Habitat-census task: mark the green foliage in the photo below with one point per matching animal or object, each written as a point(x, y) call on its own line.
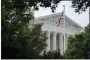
point(30, 3)
point(79, 45)
point(17, 39)
point(80, 5)
point(52, 55)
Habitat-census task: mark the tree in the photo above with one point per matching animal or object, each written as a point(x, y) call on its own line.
point(87, 41)
point(52, 55)
point(31, 3)
point(18, 40)
point(79, 45)
point(80, 5)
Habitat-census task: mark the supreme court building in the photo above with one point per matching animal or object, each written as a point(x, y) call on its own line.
point(56, 34)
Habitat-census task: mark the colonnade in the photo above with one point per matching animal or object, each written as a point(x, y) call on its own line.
point(56, 41)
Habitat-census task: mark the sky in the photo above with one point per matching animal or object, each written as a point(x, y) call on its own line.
point(81, 19)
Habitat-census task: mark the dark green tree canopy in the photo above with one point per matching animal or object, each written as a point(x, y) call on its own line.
point(18, 40)
point(80, 5)
point(79, 45)
point(52, 55)
point(31, 3)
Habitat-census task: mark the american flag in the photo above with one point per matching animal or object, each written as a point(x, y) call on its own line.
point(60, 18)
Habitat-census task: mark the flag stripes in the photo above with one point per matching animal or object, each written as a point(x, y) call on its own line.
point(60, 18)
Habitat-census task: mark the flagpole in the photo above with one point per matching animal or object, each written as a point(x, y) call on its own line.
point(64, 27)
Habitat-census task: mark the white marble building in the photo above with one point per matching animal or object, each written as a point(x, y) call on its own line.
point(56, 34)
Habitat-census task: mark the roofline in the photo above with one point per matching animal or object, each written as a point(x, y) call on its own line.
point(74, 22)
point(48, 15)
point(59, 14)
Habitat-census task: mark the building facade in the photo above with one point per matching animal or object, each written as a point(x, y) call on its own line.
point(56, 34)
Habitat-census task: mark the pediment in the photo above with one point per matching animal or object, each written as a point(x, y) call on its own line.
point(52, 19)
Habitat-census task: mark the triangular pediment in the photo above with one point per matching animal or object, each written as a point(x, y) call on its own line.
point(53, 18)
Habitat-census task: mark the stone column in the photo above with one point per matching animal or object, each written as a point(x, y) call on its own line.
point(48, 42)
point(66, 41)
point(54, 41)
point(58, 41)
point(61, 43)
